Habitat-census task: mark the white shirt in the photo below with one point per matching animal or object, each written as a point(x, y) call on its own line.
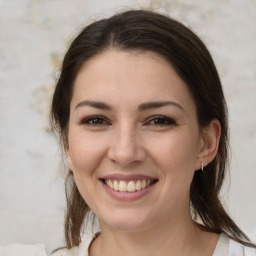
point(224, 247)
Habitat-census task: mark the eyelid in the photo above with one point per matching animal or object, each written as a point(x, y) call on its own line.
point(170, 121)
point(164, 121)
point(86, 120)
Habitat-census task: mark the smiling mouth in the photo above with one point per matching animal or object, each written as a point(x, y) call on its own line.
point(128, 186)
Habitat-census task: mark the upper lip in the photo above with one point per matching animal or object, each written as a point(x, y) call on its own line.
point(127, 177)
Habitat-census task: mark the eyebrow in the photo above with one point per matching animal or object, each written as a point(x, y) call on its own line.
point(142, 107)
point(94, 104)
point(158, 104)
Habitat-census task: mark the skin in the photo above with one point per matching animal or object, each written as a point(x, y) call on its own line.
point(128, 139)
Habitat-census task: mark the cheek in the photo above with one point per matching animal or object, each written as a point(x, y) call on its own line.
point(177, 152)
point(85, 151)
point(176, 157)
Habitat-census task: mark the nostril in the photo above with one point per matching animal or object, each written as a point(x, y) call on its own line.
point(125, 156)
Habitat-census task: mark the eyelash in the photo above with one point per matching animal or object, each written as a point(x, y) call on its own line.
point(94, 121)
point(158, 121)
point(161, 121)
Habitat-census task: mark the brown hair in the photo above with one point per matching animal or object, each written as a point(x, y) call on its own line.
point(149, 31)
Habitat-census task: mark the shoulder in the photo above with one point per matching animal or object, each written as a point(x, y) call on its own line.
point(80, 250)
point(67, 252)
point(237, 249)
point(23, 250)
point(228, 247)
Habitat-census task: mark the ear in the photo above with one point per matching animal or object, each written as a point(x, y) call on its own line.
point(69, 160)
point(209, 143)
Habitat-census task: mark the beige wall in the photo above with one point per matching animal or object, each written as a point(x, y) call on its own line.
point(34, 35)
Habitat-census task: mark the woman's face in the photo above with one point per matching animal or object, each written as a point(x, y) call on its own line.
point(133, 140)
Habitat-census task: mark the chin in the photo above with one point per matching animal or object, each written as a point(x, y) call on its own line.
point(127, 222)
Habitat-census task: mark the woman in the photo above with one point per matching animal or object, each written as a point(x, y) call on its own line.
point(140, 110)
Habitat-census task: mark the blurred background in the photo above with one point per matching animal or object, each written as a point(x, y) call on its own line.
point(34, 35)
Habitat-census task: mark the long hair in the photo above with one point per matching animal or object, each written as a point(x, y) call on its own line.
point(149, 31)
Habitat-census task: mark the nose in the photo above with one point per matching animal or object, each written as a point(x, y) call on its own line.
point(126, 147)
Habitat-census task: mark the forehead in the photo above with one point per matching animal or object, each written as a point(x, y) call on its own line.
point(129, 77)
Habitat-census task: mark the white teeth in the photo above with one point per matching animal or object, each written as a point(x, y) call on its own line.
point(138, 185)
point(122, 186)
point(110, 184)
point(130, 186)
point(116, 185)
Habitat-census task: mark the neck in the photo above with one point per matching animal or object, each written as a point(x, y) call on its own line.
point(173, 238)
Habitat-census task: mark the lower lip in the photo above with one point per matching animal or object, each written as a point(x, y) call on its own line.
point(128, 196)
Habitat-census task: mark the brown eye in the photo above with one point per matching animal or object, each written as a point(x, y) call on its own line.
point(94, 120)
point(161, 121)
